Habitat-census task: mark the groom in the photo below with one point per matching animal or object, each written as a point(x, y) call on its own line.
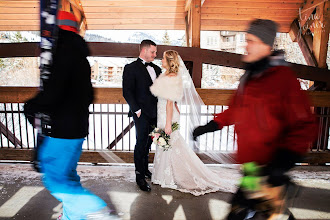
point(138, 76)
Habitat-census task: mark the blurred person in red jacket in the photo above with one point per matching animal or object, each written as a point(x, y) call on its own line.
point(272, 118)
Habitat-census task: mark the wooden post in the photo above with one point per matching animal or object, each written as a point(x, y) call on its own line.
point(196, 23)
point(320, 49)
point(321, 34)
point(303, 42)
point(187, 28)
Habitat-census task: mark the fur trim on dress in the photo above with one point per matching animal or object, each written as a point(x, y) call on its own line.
point(168, 87)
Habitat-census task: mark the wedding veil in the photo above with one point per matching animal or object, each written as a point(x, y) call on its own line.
point(191, 110)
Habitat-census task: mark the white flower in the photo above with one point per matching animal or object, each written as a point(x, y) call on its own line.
point(154, 140)
point(161, 141)
point(156, 129)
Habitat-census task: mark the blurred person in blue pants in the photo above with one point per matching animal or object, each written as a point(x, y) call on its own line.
point(65, 98)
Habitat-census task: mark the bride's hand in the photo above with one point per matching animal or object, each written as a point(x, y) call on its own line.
point(168, 129)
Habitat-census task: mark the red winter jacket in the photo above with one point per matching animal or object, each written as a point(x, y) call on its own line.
point(272, 112)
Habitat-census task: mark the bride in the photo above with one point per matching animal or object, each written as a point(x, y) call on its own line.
point(179, 167)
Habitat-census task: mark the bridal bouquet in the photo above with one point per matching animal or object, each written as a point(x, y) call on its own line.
point(160, 138)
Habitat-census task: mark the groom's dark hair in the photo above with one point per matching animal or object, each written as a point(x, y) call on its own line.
point(147, 43)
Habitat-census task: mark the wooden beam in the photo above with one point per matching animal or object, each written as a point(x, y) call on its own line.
point(115, 96)
point(187, 29)
point(188, 54)
point(321, 34)
point(196, 23)
point(128, 156)
point(296, 35)
point(121, 135)
point(9, 135)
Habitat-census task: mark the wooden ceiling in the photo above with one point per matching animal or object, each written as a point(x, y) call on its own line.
point(157, 14)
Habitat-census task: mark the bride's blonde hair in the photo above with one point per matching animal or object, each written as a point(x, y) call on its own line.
point(172, 60)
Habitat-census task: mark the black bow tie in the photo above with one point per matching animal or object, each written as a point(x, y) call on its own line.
point(147, 64)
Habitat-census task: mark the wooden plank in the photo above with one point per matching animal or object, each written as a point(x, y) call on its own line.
point(85, 4)
point(137, 27)
point(19, 50)
point(20, 28)
point(91, 22)
point(128, 156)
point(18, 16)
point(104, 95)
point(231, 16)
point(136, 21)
point(258, 11)
point(254, 5)
point(134, 9)
point(19, 4)
point(19, 10)
point(170, 15)
point(321, 34)
point(149, 3)
point(18, 22)
point(221, 22)
point(256, 1)
point(224, 27)
point(16, 94)
point(101, 10)
point(114, 96)
point(102, 27)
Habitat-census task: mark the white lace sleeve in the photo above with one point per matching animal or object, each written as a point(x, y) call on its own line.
point(166, 87)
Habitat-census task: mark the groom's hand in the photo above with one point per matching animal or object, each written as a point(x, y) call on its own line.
point(209, 127)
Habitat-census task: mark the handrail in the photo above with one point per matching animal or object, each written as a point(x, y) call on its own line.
point(114, 96)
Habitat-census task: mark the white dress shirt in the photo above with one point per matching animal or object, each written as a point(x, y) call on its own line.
point(152, 74)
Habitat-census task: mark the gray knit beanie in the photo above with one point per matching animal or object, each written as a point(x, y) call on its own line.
point(264, 29)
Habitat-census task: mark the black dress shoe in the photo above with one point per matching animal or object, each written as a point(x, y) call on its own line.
point(148, 174)
point(144, 186)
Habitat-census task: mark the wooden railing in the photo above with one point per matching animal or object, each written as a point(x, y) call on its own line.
point(112, 138)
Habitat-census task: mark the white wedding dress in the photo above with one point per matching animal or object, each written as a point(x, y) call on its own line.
point(180, 168)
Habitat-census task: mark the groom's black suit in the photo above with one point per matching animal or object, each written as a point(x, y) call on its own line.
point(136, 91)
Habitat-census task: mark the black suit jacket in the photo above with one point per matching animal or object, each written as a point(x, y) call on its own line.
point(136, 88)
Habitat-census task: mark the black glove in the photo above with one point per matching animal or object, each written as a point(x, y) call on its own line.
point(209, 127)
point(282, 161)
